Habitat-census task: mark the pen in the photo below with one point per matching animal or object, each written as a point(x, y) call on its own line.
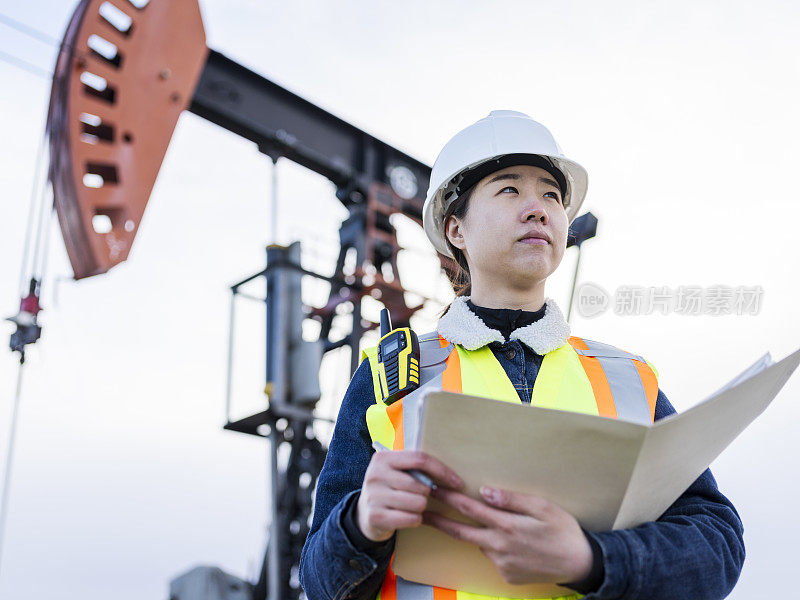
point(418, 475)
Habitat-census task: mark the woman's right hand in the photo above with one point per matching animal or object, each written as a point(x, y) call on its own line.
point(391, 499)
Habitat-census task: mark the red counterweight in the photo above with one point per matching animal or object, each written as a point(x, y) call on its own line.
point(123, 76)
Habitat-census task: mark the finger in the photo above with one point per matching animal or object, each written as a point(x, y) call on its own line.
point(526, 504)
point(474, 509)
point(412, 459)
point(386, 475)
point(404, 501)
point(402, 480)
point(391, 519)
point(479, 536)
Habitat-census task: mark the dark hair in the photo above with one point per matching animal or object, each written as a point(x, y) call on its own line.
point(459, 275)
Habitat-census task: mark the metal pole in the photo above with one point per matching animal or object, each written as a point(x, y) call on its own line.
point(574, 280)
point(274, 585)
point(277, 372)
point(229, 382)
point(9, 461)
point(273, 236)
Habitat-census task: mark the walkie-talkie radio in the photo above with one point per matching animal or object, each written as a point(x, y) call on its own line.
point(398, 360)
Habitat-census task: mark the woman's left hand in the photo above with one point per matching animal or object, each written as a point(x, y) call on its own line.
point(529, 539)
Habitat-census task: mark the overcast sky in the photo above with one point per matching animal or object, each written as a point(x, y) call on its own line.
point(684, 114)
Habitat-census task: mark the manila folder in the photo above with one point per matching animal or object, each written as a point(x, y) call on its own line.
point(607, 473)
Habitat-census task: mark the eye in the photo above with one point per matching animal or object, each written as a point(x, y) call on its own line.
point(554, 195)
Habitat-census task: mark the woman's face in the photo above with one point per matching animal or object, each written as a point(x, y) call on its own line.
point(505, 207)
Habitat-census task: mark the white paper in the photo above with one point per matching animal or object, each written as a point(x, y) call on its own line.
point(758, 366)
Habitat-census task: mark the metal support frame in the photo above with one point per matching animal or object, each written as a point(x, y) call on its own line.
point(284, 422)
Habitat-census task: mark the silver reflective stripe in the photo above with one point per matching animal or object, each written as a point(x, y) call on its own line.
point(431, 355)
point(430, 336)
point(409, 590)
point(599, 349)
point(428, 373)
point(609, 354)
point(411, 405)
point(627, 389)
point(432, 365)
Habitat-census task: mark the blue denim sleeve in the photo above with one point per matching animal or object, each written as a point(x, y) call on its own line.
point(694, 550)
point(331, 566)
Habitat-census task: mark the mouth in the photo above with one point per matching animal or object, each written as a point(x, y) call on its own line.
point(535, 238)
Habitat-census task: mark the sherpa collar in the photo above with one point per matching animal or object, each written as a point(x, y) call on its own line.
point(462, 326)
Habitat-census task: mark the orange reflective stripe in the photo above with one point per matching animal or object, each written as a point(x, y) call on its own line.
point(389, 586)
point(451, 378)
point(443, 594)
point(600, 387)
point(577, 342)
point(650, 384)
point(598, 380)
point(395, 412)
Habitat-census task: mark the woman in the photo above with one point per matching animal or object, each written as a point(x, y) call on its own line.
point(501, 199)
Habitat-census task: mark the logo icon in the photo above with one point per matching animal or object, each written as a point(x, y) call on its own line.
point(592, 300)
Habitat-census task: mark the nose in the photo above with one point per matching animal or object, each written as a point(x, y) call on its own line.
point(533, 209)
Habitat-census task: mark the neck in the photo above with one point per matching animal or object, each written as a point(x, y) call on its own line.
point(525, 299)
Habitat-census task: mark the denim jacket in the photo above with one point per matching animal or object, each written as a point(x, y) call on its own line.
point(694, 551)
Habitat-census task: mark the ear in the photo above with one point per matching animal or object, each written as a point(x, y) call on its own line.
point(453, 229)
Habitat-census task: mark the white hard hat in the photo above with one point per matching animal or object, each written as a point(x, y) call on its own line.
point(503, 139)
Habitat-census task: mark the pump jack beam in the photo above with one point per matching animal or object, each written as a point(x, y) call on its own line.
point(283, 124)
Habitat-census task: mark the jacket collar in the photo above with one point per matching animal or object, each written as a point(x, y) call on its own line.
point(461, 326)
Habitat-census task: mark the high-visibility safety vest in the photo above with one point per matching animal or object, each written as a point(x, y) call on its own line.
point(581, 376)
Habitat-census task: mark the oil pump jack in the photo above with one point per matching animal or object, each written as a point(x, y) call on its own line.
point(126, 69)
